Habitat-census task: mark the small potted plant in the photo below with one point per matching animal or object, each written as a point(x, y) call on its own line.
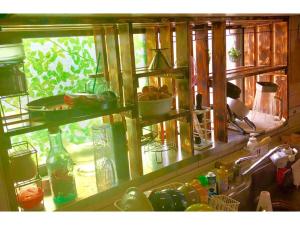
point(234, 54)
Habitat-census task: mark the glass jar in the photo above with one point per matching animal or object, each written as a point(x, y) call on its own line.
point(60, 170)
point(104, 166)
point(96, 84)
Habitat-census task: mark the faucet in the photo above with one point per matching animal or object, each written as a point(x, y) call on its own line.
point(252, 168)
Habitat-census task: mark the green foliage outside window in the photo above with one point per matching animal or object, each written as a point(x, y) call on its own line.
point(61, 65)
point(56, 66)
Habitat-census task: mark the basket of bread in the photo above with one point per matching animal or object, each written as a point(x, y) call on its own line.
point(153, 101)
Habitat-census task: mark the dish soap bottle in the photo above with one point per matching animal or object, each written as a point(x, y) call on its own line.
point(253, 146)
point(204, 189)
point(60, 170)
point(222, 180)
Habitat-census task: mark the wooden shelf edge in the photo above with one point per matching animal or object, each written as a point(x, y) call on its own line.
point(172, 72)
point(45, 125)
point(253, 71)
point(248, 71)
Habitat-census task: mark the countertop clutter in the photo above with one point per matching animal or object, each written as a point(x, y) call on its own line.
point(205, 193)
point(223, 190)
point(171, 197)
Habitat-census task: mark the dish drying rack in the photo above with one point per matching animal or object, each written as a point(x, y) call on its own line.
point(13, 112)
point(202, 128)
point(150, 143)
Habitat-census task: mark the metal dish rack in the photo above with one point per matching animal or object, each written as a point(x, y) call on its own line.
point(202, 128)
point(12, 111)
point(14, 97)
point(22, 149)
point(152, 144)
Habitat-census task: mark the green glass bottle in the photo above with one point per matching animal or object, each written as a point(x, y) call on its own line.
point(60, 170)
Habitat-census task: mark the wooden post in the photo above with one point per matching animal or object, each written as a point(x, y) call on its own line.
point(100, 47)
point(202, 64)
point(151, 43)
point(151, 37)
point(183, 52)
point(294, 65)
point(130, 97)
point(272, 43)
point(264, 50)
point(256, 47)
point(166, 42)
point(240, 45)
point(113, 64)
point(249, 60)
point(280, 54)
point(249, 46)
point(219, 80)
point(113, 60)
point(99, 40)
point(281, 40)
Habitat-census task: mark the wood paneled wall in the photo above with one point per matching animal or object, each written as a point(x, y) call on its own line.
point(294, 65)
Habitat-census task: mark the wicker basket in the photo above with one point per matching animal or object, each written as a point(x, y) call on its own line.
point(223, 203)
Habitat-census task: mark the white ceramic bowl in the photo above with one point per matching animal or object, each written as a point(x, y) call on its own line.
point(155, 107)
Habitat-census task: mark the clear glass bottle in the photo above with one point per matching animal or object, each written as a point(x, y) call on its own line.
point(60, 170)
point(104, 166)
point(96, 84)
point(105, 174)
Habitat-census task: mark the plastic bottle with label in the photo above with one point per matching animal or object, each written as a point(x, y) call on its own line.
point(212, 183)
point(204, 189)
point(222, 180)
point(253, 146)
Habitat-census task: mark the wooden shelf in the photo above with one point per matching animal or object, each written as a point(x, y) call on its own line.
point(176, 72)
point(248, 71)
point(35, 126)
point(173, 114)
point(252, 71)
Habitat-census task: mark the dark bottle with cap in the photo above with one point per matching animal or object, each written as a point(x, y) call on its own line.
point(199, 116)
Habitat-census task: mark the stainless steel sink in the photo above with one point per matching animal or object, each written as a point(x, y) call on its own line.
point(247, 191)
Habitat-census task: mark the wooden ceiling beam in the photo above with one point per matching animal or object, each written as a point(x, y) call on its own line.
point(44, 19)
